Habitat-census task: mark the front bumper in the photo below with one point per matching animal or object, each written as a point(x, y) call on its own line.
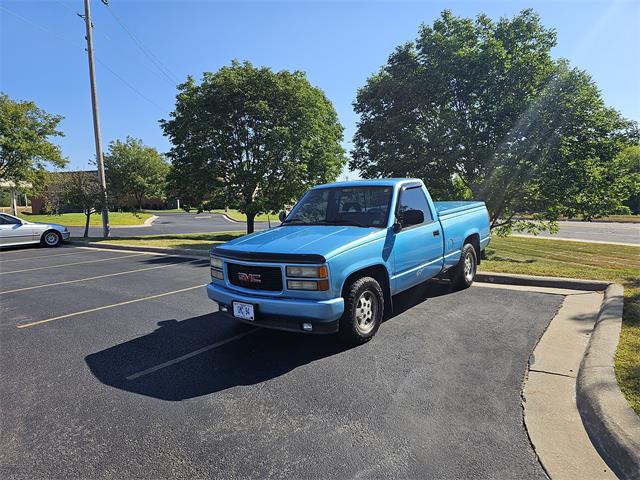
point(283, 313)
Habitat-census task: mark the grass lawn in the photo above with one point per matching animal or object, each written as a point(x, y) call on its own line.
point(621, 264)
point(196, 241)
point(78, 219)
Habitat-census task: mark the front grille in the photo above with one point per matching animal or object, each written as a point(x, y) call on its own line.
point(255, 277)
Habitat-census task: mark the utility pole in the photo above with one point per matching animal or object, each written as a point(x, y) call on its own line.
point(96, 121)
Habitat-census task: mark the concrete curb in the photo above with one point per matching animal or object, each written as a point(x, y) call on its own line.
point(612, 425)
point(137, 248)
point(230, 219)
point(149, 221)
point(534, 281)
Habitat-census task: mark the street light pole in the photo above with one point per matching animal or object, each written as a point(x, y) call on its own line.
point(96, 121)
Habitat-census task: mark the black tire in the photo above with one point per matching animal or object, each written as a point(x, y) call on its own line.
point(363, 311)
point(51, 238)
point(463, 273)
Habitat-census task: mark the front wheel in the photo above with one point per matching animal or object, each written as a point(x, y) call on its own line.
point(464, 272)
point(51, 238)
point(363, 311)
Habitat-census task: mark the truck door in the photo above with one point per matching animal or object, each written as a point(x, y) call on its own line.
point(417, 247)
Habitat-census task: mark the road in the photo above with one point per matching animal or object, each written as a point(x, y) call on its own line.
point(172, 223)
point(599, 231)
point(114, 364)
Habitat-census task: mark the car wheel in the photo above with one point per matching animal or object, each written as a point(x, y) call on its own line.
point(51, 238)
point(464, 272)
point(363, 311)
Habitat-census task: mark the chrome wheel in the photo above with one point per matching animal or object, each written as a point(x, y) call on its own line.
point(366, 312)
point(52, 239)
point(469, 267)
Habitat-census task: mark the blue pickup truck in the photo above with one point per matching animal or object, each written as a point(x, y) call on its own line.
point(342, 253)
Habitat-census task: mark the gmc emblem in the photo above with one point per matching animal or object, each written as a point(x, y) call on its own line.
point(249, 277)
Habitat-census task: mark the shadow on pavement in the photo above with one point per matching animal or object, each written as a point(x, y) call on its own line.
point(251, 359)
point(248, 360)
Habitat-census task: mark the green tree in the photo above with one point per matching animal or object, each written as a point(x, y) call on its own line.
point(629, 163)
point(255, 137)
point(25, 148)
point(480, 107)
point(135, 170)
point(82, 190)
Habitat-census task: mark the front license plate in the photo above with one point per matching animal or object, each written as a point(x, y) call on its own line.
point(243, 310)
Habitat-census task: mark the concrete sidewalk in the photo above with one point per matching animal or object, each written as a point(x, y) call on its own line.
point(550, 411)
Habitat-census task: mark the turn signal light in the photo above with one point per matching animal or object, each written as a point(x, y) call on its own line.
point(311, 285)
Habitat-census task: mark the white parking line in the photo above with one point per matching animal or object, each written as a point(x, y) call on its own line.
point(2, 260)
point(89, 278)
point(128, 302)
point(189, 355)
point(69, 264)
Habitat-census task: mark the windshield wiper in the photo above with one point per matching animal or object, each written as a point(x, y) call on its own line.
point(350, 223)
point(297, 222)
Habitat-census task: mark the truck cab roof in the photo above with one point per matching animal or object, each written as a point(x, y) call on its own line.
point(382, 182)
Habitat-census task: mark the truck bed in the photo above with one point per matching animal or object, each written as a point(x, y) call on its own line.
point(449, 208)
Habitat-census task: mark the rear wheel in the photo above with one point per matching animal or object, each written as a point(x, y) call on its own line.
point(363, 310)
point(464, 272)
point(51, 238)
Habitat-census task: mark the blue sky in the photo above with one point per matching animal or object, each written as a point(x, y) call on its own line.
point(338, 44)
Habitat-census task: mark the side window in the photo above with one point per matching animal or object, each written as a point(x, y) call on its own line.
point(7, 220)
point(414, 199)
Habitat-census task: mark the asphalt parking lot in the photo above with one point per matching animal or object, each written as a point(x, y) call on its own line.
point(115, 364)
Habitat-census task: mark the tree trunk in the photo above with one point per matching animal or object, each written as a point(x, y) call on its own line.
point(86, 225)
point(250, 222)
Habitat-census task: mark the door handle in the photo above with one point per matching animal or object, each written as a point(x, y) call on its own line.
point(436, 233)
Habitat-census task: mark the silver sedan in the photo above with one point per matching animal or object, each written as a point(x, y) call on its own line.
point(16, 231)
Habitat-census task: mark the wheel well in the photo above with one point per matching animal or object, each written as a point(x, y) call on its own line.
point(49, 231)
point(380, 273)
point(474, 240)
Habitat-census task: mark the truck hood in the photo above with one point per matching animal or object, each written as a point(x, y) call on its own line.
point(325, 240)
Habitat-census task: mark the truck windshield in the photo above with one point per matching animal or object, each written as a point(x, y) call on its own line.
point(357, 206)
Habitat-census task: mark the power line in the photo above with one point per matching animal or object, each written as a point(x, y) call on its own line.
point(162, 68)
point(134, 89)
point(113, 72)
point(75, 13)
point(33, 24)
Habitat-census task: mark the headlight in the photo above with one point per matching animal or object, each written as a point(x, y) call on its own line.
point(307, 272)
point(314, 285)
point(216, 262)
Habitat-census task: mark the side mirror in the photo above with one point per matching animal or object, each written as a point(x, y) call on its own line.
point(411, 217)
point(282, 215)
point(397, 226)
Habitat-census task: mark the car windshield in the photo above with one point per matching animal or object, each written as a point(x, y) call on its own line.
point(357, 206)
